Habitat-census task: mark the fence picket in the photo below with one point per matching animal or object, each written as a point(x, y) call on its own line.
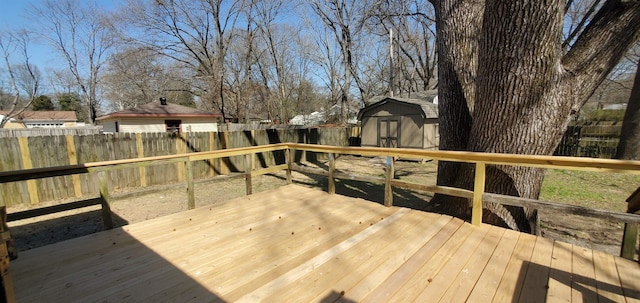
point(63, 150)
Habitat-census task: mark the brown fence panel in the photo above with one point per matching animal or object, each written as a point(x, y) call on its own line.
point(45, 151)
point(14, 193)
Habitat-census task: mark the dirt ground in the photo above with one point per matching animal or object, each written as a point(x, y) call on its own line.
point(136, 206)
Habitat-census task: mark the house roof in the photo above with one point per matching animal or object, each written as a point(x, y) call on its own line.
point(429, 110)
point(156, 109)
point(44, 116)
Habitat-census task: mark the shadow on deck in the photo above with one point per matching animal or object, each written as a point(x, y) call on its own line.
point(301, 244)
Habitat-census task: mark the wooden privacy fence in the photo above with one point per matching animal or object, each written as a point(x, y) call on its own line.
point(288, 151)
point(63, 131)
point(595, 141)
point(37, 152)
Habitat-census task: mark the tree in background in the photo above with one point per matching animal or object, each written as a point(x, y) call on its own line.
point(629, 144)
point(75, 29)
point(138, 75)
point(344, 19)
point(72, 102)
point(196, 34)
point(42, 102)
point(23, 79)
point(507, 85)
point(411, 28)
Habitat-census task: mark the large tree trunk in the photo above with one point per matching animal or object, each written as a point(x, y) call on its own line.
point(526, 91)
point(629, 145)
point(457, 28)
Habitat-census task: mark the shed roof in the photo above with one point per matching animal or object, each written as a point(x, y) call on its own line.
point(156, 109)
point(429, 110)
point(45, 115)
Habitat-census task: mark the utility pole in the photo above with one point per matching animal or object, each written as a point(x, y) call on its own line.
point(391, 88)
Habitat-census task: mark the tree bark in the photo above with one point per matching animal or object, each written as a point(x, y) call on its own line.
point(526, 90)
point(629, 144)
point(457, 28)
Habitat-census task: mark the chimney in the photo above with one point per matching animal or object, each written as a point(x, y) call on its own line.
point(163, 101)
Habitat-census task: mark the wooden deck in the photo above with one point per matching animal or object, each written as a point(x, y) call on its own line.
point(296, 244)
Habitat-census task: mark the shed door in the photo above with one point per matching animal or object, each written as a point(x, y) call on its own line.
point(388, 132)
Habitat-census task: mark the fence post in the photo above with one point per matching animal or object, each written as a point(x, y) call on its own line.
point(141, 170)
point(331, 188)
point(388, 190)
point(181, 148)
point(212, 147)
point(224, 169)
point(478, 191)
point(253, 143)
point(107, 220)
point(287, 159)
point(248, 164)
point(191, 195)
point(73, 159)
point(32, 187)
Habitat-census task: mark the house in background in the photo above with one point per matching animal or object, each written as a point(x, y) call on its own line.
point(159, 116)
point(43, 119)
point(400, 122)
point(321, 117)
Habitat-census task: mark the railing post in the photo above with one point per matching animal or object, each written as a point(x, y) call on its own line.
point(331, 188)
point(629, 241)
point(630, 236)
point(107, 220)
point(6, 252)
point(191, 195)
point(248, 164)
point(287, 159)
point(478, 191)
point(388, 190)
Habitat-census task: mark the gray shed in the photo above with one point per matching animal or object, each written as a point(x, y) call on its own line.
point(400, 122)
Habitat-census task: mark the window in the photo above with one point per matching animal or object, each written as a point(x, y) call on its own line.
point(173, 126)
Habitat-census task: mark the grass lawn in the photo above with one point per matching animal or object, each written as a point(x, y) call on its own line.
point(589, 189)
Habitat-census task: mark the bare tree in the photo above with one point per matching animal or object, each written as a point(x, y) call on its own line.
point(25, 77)
point(413, 41)
point(280, 55)
point(137, 75)
point(28, 79)
point(326, 57)
point(196, 34)
point(345, 19)
point(75, 29)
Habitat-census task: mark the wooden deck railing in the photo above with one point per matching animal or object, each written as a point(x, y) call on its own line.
point(480, 160)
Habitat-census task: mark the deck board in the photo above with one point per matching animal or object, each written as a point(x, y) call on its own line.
point(511, 282)
point(456, 267)
point(297, 244)
point(487, 284)
point(607, 280)
point(560, 273)
point(583, 287)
